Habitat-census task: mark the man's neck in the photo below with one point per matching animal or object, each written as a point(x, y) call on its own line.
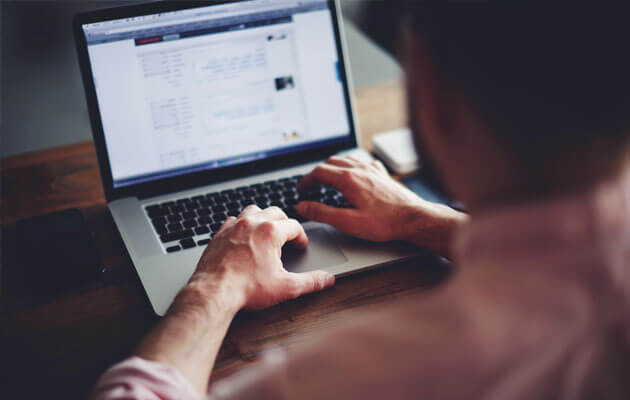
point(574, 172)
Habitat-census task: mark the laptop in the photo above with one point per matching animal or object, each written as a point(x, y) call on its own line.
point(199, 109)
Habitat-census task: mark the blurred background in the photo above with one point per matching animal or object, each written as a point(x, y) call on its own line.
point(42, 97)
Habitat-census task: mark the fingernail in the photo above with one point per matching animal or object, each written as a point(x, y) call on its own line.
point(330, 279)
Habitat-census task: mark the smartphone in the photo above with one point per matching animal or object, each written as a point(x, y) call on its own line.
point(57, 252)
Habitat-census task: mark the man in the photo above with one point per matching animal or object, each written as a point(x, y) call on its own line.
point(524, 113)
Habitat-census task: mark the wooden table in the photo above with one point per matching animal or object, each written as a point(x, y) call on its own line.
point(57, 347)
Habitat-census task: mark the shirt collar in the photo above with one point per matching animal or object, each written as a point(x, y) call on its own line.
point(564, 226)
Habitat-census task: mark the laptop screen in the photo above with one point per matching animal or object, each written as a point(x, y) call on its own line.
point(204, 88)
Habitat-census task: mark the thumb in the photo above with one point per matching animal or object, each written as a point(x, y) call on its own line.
point(323, 213)
point(346, 219)
point(309, 282)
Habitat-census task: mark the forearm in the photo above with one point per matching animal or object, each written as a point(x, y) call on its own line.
point(190, 335)
point(433, 227)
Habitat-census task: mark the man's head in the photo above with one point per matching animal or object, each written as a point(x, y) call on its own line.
point(512, 98)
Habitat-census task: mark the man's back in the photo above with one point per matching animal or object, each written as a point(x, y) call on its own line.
point(539, 307)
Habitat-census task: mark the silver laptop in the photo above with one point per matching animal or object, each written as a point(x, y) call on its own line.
point(199, 110)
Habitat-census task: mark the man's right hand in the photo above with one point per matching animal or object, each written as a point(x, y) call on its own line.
point(383, 209)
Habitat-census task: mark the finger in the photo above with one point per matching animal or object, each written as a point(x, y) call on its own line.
point(229, 221)
point(309, 282)
point(250, 210)
point(341, 162)
point(324, 174)
point(290, 230)
point(358, 162)
point(379, 165)
point(344, 219)
point(272, 214)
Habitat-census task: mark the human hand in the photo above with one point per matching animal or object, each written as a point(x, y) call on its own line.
point(245, 256)
point(383, 209)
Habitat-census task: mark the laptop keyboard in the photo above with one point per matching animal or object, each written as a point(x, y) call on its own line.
point(190, 222)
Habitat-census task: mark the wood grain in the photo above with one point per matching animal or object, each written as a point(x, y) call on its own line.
point(57, 346)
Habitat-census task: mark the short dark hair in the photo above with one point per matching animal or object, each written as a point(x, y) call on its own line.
point(543, 75)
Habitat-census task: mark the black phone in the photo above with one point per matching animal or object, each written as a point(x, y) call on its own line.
point(57, 251)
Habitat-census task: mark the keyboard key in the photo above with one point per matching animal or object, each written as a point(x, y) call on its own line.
point(203, 242)
point(197, 198)
point(211, 200)
point(190, 207)
point(205, 220)
point(219, 208)
point(263, 205)
point(247, 202)
point(202, 230)
point(215, 227)
point(173, 249)
point(189, 215)
point(219, 217)
point(190, 223)
point(168, 204)
point(159, 220)
point(158, 212)
point(195, 205)
point(204, 211)
point(233, 206)
point(153, 207)
point(175, 227)
point(187, 243)
point(205, 203)
point(177, 209)
point(234, 196)
point(175, 218)
point(161, 230)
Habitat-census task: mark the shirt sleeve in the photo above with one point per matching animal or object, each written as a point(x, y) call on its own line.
point(138, 379)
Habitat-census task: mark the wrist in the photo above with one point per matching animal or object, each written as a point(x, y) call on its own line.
point(209, 294)
point(432, 226)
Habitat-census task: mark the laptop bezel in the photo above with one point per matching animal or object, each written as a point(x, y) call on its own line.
point(211, 176)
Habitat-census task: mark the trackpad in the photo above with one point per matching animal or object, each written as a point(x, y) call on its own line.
point(322, 252)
